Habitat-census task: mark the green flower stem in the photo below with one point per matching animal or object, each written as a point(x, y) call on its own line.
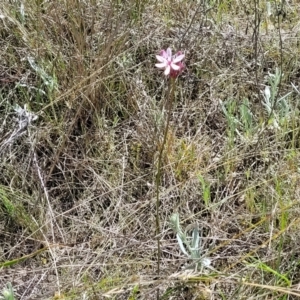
point(169, 105)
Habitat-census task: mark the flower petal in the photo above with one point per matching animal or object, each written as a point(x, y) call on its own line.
point(160, 58)
point(167, 70)
point(161, 65)
point(178, 58)
point(169, 52)
point(164, 54)
point(175, 67)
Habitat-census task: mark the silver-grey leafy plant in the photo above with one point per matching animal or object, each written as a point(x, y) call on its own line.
point(190, 245)
point(8, 293)
point(277, 108)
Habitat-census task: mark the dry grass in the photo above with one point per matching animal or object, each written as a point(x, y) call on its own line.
point(77, 185)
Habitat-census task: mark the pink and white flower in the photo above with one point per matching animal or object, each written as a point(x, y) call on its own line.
point(172, 65)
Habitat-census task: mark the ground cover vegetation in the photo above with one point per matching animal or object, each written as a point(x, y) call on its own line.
point(109, 192)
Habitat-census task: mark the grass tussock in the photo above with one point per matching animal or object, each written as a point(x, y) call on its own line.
point(82, 120)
